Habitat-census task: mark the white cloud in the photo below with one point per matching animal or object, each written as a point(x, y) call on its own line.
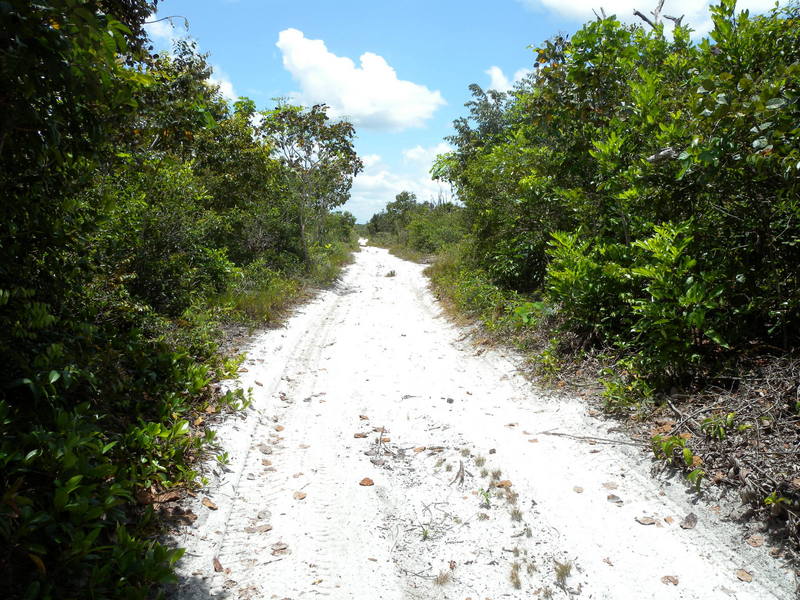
point(370, 94)
point(501, 83)
point(165, 32)
point(424, 157)
point(379, 184)
point(695, 11)
point(220, 78)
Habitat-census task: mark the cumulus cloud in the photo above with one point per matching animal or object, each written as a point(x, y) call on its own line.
point(424, 157)
point(501, 83)
point(695, 12)
point(379, 184)
point(220, 78)
point(370, 94)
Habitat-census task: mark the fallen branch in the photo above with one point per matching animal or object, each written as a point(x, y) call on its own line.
point(586, 438)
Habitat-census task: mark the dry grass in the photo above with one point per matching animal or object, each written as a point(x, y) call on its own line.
point(514, 576)
point(443, 578)
point(563, 571)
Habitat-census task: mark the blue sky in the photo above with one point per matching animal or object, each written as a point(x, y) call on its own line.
point(398, 70)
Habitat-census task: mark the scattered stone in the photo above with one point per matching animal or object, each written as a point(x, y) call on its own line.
point(689, 521)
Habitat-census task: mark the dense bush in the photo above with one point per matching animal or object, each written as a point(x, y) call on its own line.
point(138, 208)
point(646, 188)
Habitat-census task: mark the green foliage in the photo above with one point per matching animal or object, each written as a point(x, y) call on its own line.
point(422, 227)
point(134, 198)
point(647, 189)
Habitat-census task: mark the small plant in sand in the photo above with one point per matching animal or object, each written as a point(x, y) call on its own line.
point(391, 273)
point(448, 467)
point(486, 497)
point(484, 473)
point(443, 578)
point(483, 517)
point(514, 576)
point(480, 461)
point(465, 452)
point(516, 514)
point(511, 497)
point(563, 571)
point(426, 534)
point(496, 474)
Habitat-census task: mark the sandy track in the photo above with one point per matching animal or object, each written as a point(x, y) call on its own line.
point(293, 521)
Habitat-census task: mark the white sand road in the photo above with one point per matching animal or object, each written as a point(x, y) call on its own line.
point(375, 352)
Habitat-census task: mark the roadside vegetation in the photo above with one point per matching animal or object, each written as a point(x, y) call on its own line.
point(140, 211)
point(631, 212)
point(415, 230)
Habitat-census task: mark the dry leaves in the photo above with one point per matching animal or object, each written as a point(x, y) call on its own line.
point(610, 485)
point(533, 441)
point(419, 449)
point(614, 499)
point(217, 565)
point(503, 484)
point(646, 520)
point(299, 495)
point(359, 436)
point(744, 576)
point(366, 482)
point(386, 440)
point(363, 417)
point(258, 383)
point(209, 504)
point(756, 540)
point(258, 529)
point(577, 489)
point(278, 427)
point(669, 579)
point(280, 548)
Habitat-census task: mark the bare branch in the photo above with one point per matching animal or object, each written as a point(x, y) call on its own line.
point(657, 11)
point(644, 18)
point(676, 20)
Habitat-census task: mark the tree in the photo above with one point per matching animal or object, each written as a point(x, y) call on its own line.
point(319, 157)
